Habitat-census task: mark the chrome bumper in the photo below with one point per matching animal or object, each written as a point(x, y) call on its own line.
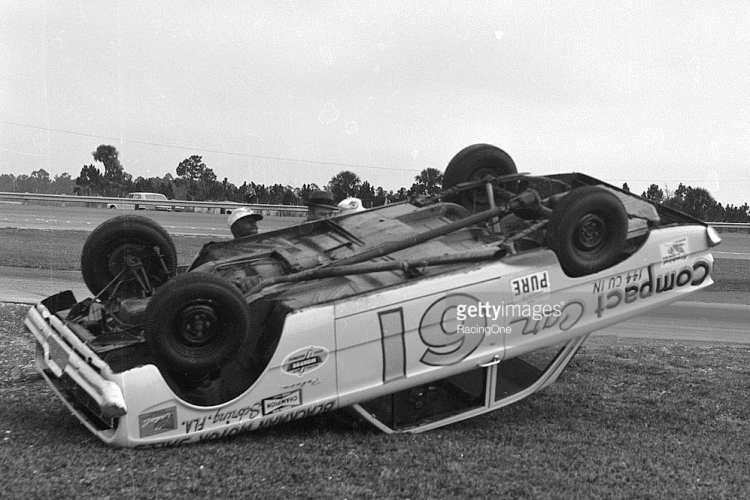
point(61, 352)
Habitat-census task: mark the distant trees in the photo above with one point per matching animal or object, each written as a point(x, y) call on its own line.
point(654, 193)
point(345, 184)
point(37, 182)
point(89, 182)
point(429, 182)
point(115, 181)
point(697, 202)
point(62, 184)
point(197, 178)
point(196, 181)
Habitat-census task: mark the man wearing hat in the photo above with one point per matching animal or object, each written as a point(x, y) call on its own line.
point(320, 205)
point(350, 205)
point(244, 222)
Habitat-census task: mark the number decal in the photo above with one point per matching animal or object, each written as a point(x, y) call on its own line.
point(394, 352)
point(439, 330)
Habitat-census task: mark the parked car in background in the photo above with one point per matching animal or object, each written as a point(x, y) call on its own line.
point(149, 197)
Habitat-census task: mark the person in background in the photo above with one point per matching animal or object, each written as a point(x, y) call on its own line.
point(320, 205)
point(244, 222)
point(350, 205)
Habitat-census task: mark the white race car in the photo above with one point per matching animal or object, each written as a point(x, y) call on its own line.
point(410, 315)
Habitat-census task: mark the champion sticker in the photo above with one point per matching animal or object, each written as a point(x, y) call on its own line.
point(305, 360)
point(281, 402)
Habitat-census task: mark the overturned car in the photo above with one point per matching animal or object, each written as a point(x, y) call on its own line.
point(411, 315)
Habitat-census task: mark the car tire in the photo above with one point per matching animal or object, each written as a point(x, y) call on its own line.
point(473, 163)
point(104, 251)
point(587, 230)
point(197, 323)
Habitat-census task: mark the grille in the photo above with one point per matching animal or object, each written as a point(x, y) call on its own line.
point(84, 404)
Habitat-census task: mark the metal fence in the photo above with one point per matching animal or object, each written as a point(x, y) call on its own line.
point(730, 227)
point(223, 207)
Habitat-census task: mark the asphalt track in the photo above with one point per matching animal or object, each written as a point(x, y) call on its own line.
point(694, 321)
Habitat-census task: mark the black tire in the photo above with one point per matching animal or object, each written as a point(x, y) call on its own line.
point(473, 163)
point(102, 258)
point(197, 323)
point(587, 230)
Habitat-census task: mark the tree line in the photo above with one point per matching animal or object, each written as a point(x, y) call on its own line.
point(697, 202)
point(195, 181)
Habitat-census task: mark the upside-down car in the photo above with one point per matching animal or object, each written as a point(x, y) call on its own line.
point(411, 316)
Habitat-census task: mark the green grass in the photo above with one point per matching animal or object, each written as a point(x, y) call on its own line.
point(628, 419)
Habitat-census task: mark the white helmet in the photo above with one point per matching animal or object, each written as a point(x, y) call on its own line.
point(350, 205)
point(243, 212)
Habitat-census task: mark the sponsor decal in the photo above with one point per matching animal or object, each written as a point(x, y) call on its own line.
point(674, 251)
point(296, 415)
point(237, 428)
point(157, 422)
point(302, 383)
point(628, 278)
point(281, 402)
point(531, 285)
point(694, 275)
point(221, 416)
point(304, 360)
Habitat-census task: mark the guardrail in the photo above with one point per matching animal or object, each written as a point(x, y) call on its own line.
point(730, 227)
point(223, 207)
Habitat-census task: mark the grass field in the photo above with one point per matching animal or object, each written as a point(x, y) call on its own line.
point(628, 419)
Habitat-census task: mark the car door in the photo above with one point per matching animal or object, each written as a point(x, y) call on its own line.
point(407, 335)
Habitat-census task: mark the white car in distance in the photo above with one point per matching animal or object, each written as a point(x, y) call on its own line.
point(145, 196)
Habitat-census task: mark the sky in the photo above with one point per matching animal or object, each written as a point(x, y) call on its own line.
point(296, 91)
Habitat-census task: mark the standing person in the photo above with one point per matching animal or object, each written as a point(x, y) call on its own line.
point(244, 222)
point(320, 205)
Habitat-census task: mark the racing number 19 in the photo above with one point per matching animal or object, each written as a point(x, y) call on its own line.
point(439, 330)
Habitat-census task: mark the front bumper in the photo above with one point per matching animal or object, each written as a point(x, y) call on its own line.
point(73, 370)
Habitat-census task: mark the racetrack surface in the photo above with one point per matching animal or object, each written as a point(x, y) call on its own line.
point(701, 321)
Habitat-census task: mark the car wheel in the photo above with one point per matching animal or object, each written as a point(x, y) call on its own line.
point(134, 249)
point(473, 163)
point(197, 323)
point(587, 230)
